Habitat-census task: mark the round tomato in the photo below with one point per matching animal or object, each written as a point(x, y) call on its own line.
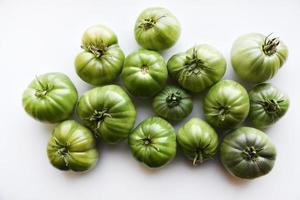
point(102, 60)
point(108, 112)
point(172, 103)
point(153, 142)
point(156, 29)
point(267, 105)
point(226, 104)
point(72, 147)
point(50, 97)
point(198, 140)
point(144, 73)
point(257, 58)
point(247, 153)
point(198, 68)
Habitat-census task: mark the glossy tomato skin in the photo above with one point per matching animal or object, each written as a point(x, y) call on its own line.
point(50, 97)
point(198, 68)
point(257, 58)
point(72, 147)
point(108, 112)
point(247, 153)
point(102, 59)
point(198, 140)
point(156, 29)
point(153, 142)
point(267, 105)
point(144, 73)
point(226, 104)
point(172, 103)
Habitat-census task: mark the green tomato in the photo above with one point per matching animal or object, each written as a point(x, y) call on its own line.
point(156, 29)
point(198, 140)
point(267, 105)
point(102, 59)
point(153, 142)
point(256, 58)
point(172, 103)
point(197, 68)
point(144, 73)
point(50, 97)
point(226, 104)
point(247, 153)
point(108, 112)
point(72, 147)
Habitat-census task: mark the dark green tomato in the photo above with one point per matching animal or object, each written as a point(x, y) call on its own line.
point(72, 147)
point(198, 68)
point(50, 97)
point(172, 103)
point(198, 140)
point(247, 153)
point(257, 58)
point(102, 59)
point(153, 142)
point(144, 73)
point(156, 29)
point(267, 105)
point(108, 112)
point(226, 104)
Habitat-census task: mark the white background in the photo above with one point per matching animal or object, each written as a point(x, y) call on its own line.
point(42, 36)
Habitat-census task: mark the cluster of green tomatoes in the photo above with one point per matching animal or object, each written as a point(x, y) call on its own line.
point(107, 113)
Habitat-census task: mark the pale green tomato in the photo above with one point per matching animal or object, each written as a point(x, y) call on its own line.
point(156, 29)
point(198, 140)
point(198, 68)
point(102, 60)
point(72, 147)
point(50, 97)
point(257, 58)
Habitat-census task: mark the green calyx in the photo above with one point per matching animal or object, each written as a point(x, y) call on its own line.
point(98, 50)
point(173, 99)
point(43, 89)
point(271, 106)
point(149, 22)
point(270, 45)
point(223, 111)
point(98, 117)
point(251, 153)
point(194, 65)
point(63, 151)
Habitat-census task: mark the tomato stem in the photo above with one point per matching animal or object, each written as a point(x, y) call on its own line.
point(198, 158)
point(43, 90)
point(149, 22)
point(98, 117)
point(271, 106)
point(98, 50)
point(195, 65)
point(173, 99)
point(270, 45)
point(250, 153)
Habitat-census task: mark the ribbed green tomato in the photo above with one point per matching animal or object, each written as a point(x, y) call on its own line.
point(72, 147)
point(197, 68)
point(247, 153)
point(144, 73)
point(226, 104)
point(198, 140)
point(153, 142)
point(102, 59)
point(50, 97)
point(156, 29)
point(257, 58)
point(172, 103)
point(108, 112)
point(267, 105)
